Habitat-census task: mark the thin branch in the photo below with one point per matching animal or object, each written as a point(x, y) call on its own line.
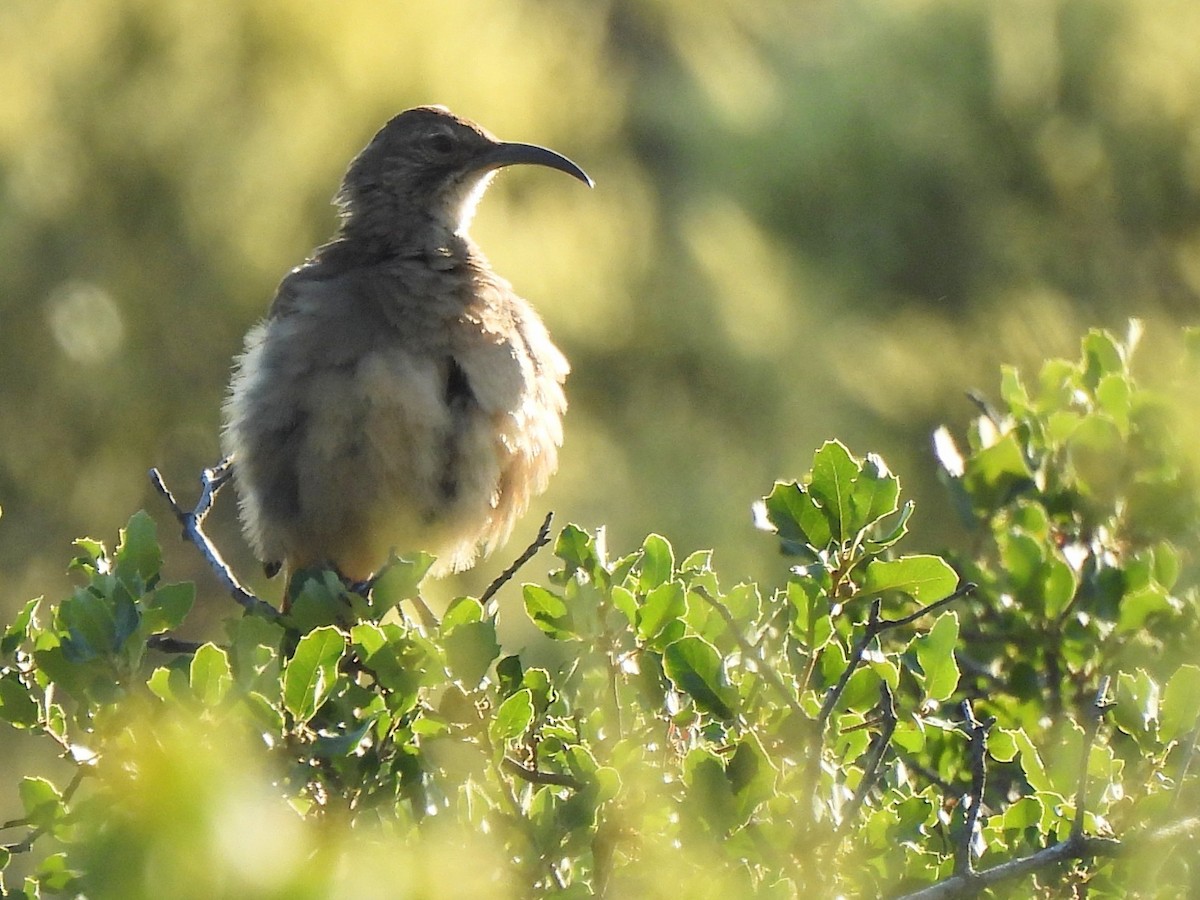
point(961, 592)
point(875, 626)
point(171, 645)
point(1074, 847)
point(1093, 714)
point(977, 734)
point(751, 652)
point(542, 539)
point(878, 746)
point(211, 481)
point(429, 621)
point(534, 776)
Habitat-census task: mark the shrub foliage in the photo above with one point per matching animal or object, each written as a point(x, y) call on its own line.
point(1019, 719)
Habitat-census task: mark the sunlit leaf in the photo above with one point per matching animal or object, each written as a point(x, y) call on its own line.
point(210, 674)
point(935, 653)
point(696, 668)
point(926, 579)
point(512, 718)
point(311, 674)
point(1180, 703)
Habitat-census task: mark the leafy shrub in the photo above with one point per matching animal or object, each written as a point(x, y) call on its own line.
point(1021, 718)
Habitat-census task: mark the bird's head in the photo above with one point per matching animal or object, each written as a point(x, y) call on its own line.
point(427, 163)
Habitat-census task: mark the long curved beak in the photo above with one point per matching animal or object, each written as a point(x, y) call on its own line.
point(510, 153)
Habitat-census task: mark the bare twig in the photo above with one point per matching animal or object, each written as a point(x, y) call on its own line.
point(542, 539)
point(958, 594)
point(880, 743)
point(977, 743)
point(171, 645)
point(1092, 716)
point(1074, 847)
point(534, 776)
point(875, 626)
point(211, 481)
point(429, 621)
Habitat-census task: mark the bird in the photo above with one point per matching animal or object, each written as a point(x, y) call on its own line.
point(398, 395)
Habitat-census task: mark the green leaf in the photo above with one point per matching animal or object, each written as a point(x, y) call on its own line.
point(254, 646)
point(1102, 356)
point(862, 691)
point(138, 555)
point(210, 675)
point(470, 650)
point(797, 518)
point(1031, 762)
point(995, 474)
point(658, 562)
point(1002, 745)
point(399, 580)
point(833, 474)
point(40, 800)
point(664, 604)
point(1180, 703)
point(160, 685)
point(751, 776)
point(624, 600)
point(897, 530)
point(696, 668)
point(1114, 395)
point(577, 549)
point(514, 716)
point(1139, 605)
point(311, 673)
point(17, 707)
point(935, 654)
point(537, 681)
point(317, 599)
point(1025, 813)
point(1137, 704)
point(926, 579)
point(549, 612)
point(1058, 586)
point(394, 660)
point(875, 493)
point(91, 624)
point(16, 632)
point(461, 611)
point(167, 606)
point(1021, 555)
point(332, 746)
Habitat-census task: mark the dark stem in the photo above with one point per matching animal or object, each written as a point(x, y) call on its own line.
point(211, 481)
point(1092, 716)
point(977, 745)
point(534, 776)
point(875, 626)
point(171, 645)
point(542, 539)
point(870, 774)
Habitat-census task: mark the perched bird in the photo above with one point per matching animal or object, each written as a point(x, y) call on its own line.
point(398, 395)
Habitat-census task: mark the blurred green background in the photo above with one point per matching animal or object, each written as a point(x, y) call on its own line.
point(812, 219)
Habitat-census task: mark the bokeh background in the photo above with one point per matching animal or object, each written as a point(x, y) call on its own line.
point(812, 219)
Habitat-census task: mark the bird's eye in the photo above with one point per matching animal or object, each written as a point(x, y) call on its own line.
point(441, 143)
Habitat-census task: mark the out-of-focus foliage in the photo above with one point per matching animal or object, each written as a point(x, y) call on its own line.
point(865, 725)
point(811, 218)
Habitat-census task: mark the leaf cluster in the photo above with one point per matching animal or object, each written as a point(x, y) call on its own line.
point(879, 722)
